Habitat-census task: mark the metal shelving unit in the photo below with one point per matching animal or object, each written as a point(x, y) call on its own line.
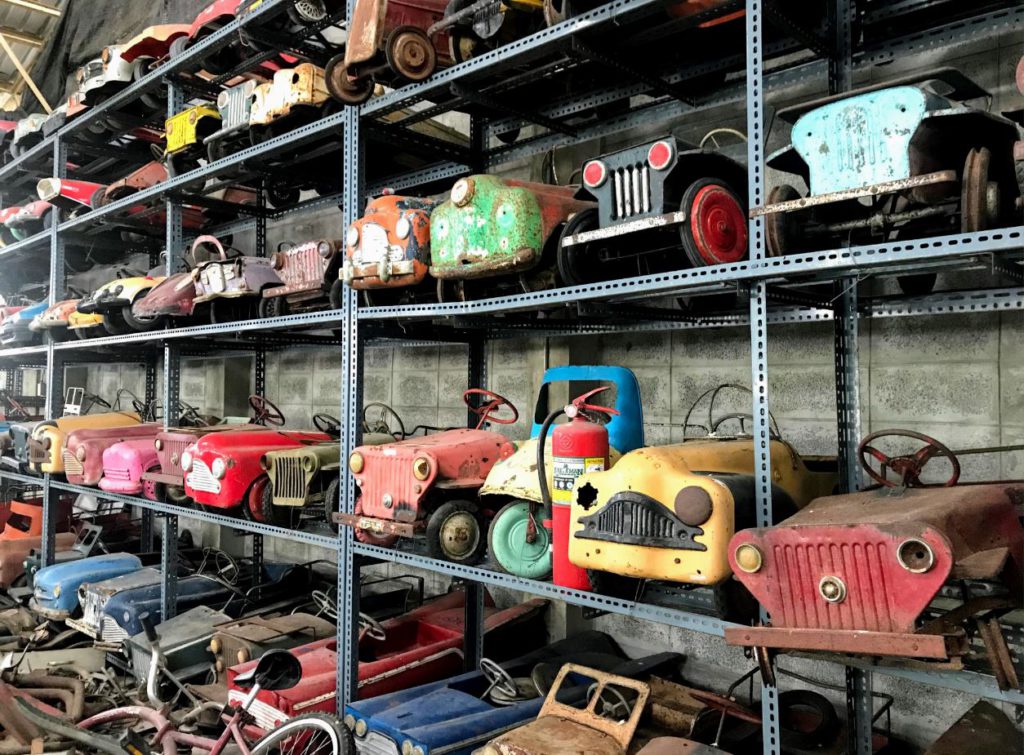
point(780, 51)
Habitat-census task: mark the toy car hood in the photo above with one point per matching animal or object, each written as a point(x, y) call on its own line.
point(321, 456)
point(57, 586)
point(29, 313)
point(9, 212)
point(28, 125)
point(173, 296)
point(31, 211)
point(55, 316)
point(122, 291)
point(153, 41)
point(255, 438)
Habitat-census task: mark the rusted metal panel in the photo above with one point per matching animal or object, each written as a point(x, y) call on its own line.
point(302, 268)
point(380, 257)
point(378, 526)
point(301, 86)
point(902, 644)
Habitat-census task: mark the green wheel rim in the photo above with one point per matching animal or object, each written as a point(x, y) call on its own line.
point(510, 549)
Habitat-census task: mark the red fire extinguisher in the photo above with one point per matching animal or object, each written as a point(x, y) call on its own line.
point(579, 446)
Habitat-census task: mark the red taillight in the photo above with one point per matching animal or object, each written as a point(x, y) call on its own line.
point(660, 155)
point(594, 173)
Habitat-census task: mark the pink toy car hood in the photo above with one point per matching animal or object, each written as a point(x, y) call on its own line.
point(83, 452)
point(123, 466)
point(173, 296)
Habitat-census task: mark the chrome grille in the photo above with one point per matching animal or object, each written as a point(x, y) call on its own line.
point(72, 466)
point(112, 633)
point(375, 743)
point(289, 478)
point(304, 265)
point(201, 478)
point(236, 113)
point(631, 186)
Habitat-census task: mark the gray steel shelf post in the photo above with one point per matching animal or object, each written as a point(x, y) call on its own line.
point(147, 534)
point(351, 403)
point(759, 324)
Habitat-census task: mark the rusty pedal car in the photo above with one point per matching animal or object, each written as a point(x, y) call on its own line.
point(388, 42)
point(853, 574)
point(904, 158)
point(233, 285)
point(292, 98)
point(306, 271)
point(652, 199)
point(493, 227)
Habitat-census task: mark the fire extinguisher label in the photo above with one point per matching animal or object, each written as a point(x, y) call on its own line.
point(566, 470)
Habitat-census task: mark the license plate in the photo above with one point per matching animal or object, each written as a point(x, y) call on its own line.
point(374, 525)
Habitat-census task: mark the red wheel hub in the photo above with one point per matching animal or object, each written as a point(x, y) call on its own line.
point(718, 225)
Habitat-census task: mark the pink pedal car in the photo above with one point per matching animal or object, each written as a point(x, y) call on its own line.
point(124, 464)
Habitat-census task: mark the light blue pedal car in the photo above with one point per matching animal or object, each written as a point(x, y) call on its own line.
point(55, 595)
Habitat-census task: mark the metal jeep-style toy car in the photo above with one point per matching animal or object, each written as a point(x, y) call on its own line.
point(668, 512)
point(186, 132)
point(306, 271)
point(235, 106)
point(650, 199)
point(388, 42)
point(912, 538)
point(55, 594)
point(222, 470)
point(512, 487)
point(492, 226)
point(292, 97)
point(424, 487)
point(233, 285)
point(904, 158)
point(388, 247)
point(84, 449)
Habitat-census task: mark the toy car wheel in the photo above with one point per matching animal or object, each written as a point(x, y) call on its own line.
point(216, 150)
point(776, 226)
point(331, 503)
point(47, 219)
point(176, 494)
point(615, 585)
point(113, 323)
point(456, 532)
point(578, 264)
point(178, 46)
point(337, 294)
point(252, 504)
point(508, 545)
point(344, 88)
point(410, 53)
point(807, 719)
point(715, 230)
point(288, 517)
point(275, 306)
point(979, 194)
point(365, 536)
point(83, 333)
point(152, 490)
point(462, 46)
point(140, 324)
point(6, 235)
point(282, 196)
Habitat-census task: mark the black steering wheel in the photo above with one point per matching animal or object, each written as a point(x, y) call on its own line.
point(189, 414)
point(498, 679)
point(713, 423)
point(327, 424)
point(94, 399)
point(265, 412)
point(382, 425)
point(491, 403)
point(370, 627)
point(908, 467)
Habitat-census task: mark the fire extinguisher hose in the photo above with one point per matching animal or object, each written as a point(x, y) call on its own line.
point(545, 492)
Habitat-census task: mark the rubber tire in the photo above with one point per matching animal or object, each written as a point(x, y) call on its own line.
point(252, 504)
point(337, 294)
point(436, 521)
point(614, 585)
point(823, 734)
point(286, 517)
point(271, 743)
point(508, 527)
point(114, 323)
point(173, 496)
point(274, 306)
point(570, 263)
point(134, 323)
point(331, 503)
point(693, 255)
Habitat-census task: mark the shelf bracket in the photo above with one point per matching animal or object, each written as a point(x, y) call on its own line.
point(490, 103)
point(581, 50)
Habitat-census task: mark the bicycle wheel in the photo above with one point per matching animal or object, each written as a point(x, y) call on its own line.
point(308, 734)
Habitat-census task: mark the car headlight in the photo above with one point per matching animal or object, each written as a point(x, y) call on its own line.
point(490, 750)
point(118, 289)
point(361, 728)
point(749, 558)
point(403, 227)
point(462, 192)
point(308, 463)
point(56, 591)
point(324, 249)
point(352, 236)
point(421, 468)
point(80, 453)
point(218, 468)
point(349, 721)
point(355, 462)
point(186, 461)
point(159, 444)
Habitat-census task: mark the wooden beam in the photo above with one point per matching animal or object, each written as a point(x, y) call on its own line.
point(34, 6)
point(24, 73)
point(19, 36)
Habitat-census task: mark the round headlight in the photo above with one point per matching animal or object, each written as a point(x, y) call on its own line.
point(118, 289)
point(222, 100)
point(308, 463)
point(355, 462)
point(916, 556)
point(490, 750)
point(462, 192)
point(352, 236)
point(403, 227)
point(215, 645)
point(350, 721)
point(105, 55)
point(80, 453)
point(361, 727)
point(421, 468)
point(243, 655)
point(749, 558)
point(56, 591)
point(186, 460)
point(407, 747)
point(159, 444)
point(324, 249)
point(693, 505)
point(417, 751)
point(218, 468)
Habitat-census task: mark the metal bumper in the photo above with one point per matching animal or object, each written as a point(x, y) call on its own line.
point(378, 526)
point(855, 642)
point(176, 480)
point(621, 229)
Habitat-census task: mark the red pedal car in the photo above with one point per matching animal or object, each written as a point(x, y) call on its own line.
point(422, 646)
point(223, 471)
point(425, 487)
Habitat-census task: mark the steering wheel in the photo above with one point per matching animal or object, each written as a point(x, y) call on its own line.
point(93, 398)
point(613, 708)
point(492, 402)
point(370, 627)
point(325, 606)
point(773, 428)
point(382, 425)
point(499, 679)
point(909, 466)
point(265, 412)
point(190, 414)
point(325, 423)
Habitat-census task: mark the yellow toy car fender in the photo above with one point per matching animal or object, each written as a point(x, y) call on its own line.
point(668, 512)
point(291, 87)
point(46, 446)
point(189, 127)
point(83, 325)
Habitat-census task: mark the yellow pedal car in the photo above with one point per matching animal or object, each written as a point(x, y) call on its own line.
point(668, 512)
point(85, 326)
point(113, 300)
point(186, 133)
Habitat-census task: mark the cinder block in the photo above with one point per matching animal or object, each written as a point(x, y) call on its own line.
point(688, 385)
point(329, 360)
point(517, 386)
point(451, 417)
point(711, 347)
point(1011, 400)
point(636, 349)
point(415, 389)
point(801, 344)
point(295, 362)
point(810, 437)
point(1012, 462)
point(802, 392)
point(417, 415)
point(919, 340)
point(419, 358)
point(657, 429)
point(377, 387)
point(295, 388)
point(655, 390)
point(451, 386)
point(954, 393)
point(299, 416)
point(377, 358)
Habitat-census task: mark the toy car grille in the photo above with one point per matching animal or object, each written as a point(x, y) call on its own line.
point(237, 111)
point(113, 473)
point(170, 456)
point(200, 478)
point(631, 187)
point(304, 265)
point(112, 633)
point(374, 246)
point(376, 743)
point(72, 466)
point(289, 478)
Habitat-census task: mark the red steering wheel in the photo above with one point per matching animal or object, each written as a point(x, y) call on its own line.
point(490, 404)
point(909, 466)
point(265, 412)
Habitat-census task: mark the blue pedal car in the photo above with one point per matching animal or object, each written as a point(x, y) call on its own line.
point(457, 715)
point(55, 595)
